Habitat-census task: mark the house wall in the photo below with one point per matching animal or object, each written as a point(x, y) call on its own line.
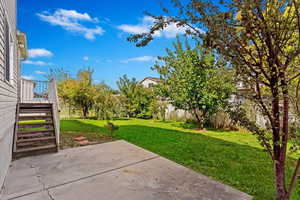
point(147, 83)
point(8, 90)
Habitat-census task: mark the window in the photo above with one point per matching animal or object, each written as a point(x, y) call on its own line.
point(8, 53)
point(11, 59)
point(150, 85)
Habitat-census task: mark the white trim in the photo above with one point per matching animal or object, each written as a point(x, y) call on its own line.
point(11, 60)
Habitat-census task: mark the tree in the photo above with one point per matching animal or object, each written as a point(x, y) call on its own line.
point(135, 99)
point(106, 104)
point(158, 108)
point(192, 81)
point(84, 95)
point(66, 91)
point(76, 93)
point(127, 89)
point(142, 102)
point(101, 106)
point(261, 40)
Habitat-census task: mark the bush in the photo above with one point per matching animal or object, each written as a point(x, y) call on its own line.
point(111, 127)
point(221, 120)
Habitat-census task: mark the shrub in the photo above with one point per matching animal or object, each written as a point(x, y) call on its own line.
point(111, 128)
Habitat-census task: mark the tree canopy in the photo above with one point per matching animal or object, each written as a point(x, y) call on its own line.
point(135, 99)
point(192, 80)
point(261, 39)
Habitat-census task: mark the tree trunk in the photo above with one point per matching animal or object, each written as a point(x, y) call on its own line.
point(69, 111)
point(85, 112)
point(200, 125)
point(200, 120)
point(97, 111)
point(279, 162)
point(285, 121)
point(279, 178)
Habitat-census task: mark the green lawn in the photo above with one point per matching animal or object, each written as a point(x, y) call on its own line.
point(234, 158)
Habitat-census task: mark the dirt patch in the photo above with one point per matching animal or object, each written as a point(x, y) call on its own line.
point(73, 139)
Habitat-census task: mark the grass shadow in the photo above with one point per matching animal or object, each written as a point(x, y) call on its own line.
point(185, 125)
point(246, 168)
point(220, 130)
point(77, 125)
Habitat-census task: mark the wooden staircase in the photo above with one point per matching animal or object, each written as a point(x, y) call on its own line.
point(35, 129)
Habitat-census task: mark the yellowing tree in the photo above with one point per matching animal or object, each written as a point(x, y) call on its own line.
point(261, 39)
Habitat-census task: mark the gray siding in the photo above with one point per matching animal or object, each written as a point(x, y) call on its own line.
point(8, 90)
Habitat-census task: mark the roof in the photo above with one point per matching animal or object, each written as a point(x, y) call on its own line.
point(151, 78)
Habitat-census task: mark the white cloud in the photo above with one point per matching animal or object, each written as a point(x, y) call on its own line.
point(172, 30)
point(40, 63)
point(169, 31)
point(70, 20)
point(28, 77)
point(133, 29)
point(39, 72)
point(73, 14)
point(139, 59)
point(33, 53)
point(86, 58)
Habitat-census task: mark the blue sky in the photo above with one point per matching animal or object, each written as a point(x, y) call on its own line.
point(77, 33)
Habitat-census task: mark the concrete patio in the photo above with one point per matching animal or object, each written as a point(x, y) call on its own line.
point(110, 171)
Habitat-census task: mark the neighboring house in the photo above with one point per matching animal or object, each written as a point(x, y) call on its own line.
point(239, 98)
point(18, 100)
point(148, 82)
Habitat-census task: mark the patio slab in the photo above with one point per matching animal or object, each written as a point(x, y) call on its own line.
point(110, 171)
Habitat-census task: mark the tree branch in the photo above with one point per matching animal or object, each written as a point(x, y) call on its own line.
point(296, 76)
point(293, 180)
point(298, 18)
point(264, 107)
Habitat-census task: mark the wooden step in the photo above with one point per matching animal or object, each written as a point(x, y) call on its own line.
point(35, 139)
point(34, 117)
point(35, 131)
point(36, 110)
point(36, 135)
point(35, 144)
point(40, 142)
point(23, 150)
point(34, 125)
point(31, 105)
